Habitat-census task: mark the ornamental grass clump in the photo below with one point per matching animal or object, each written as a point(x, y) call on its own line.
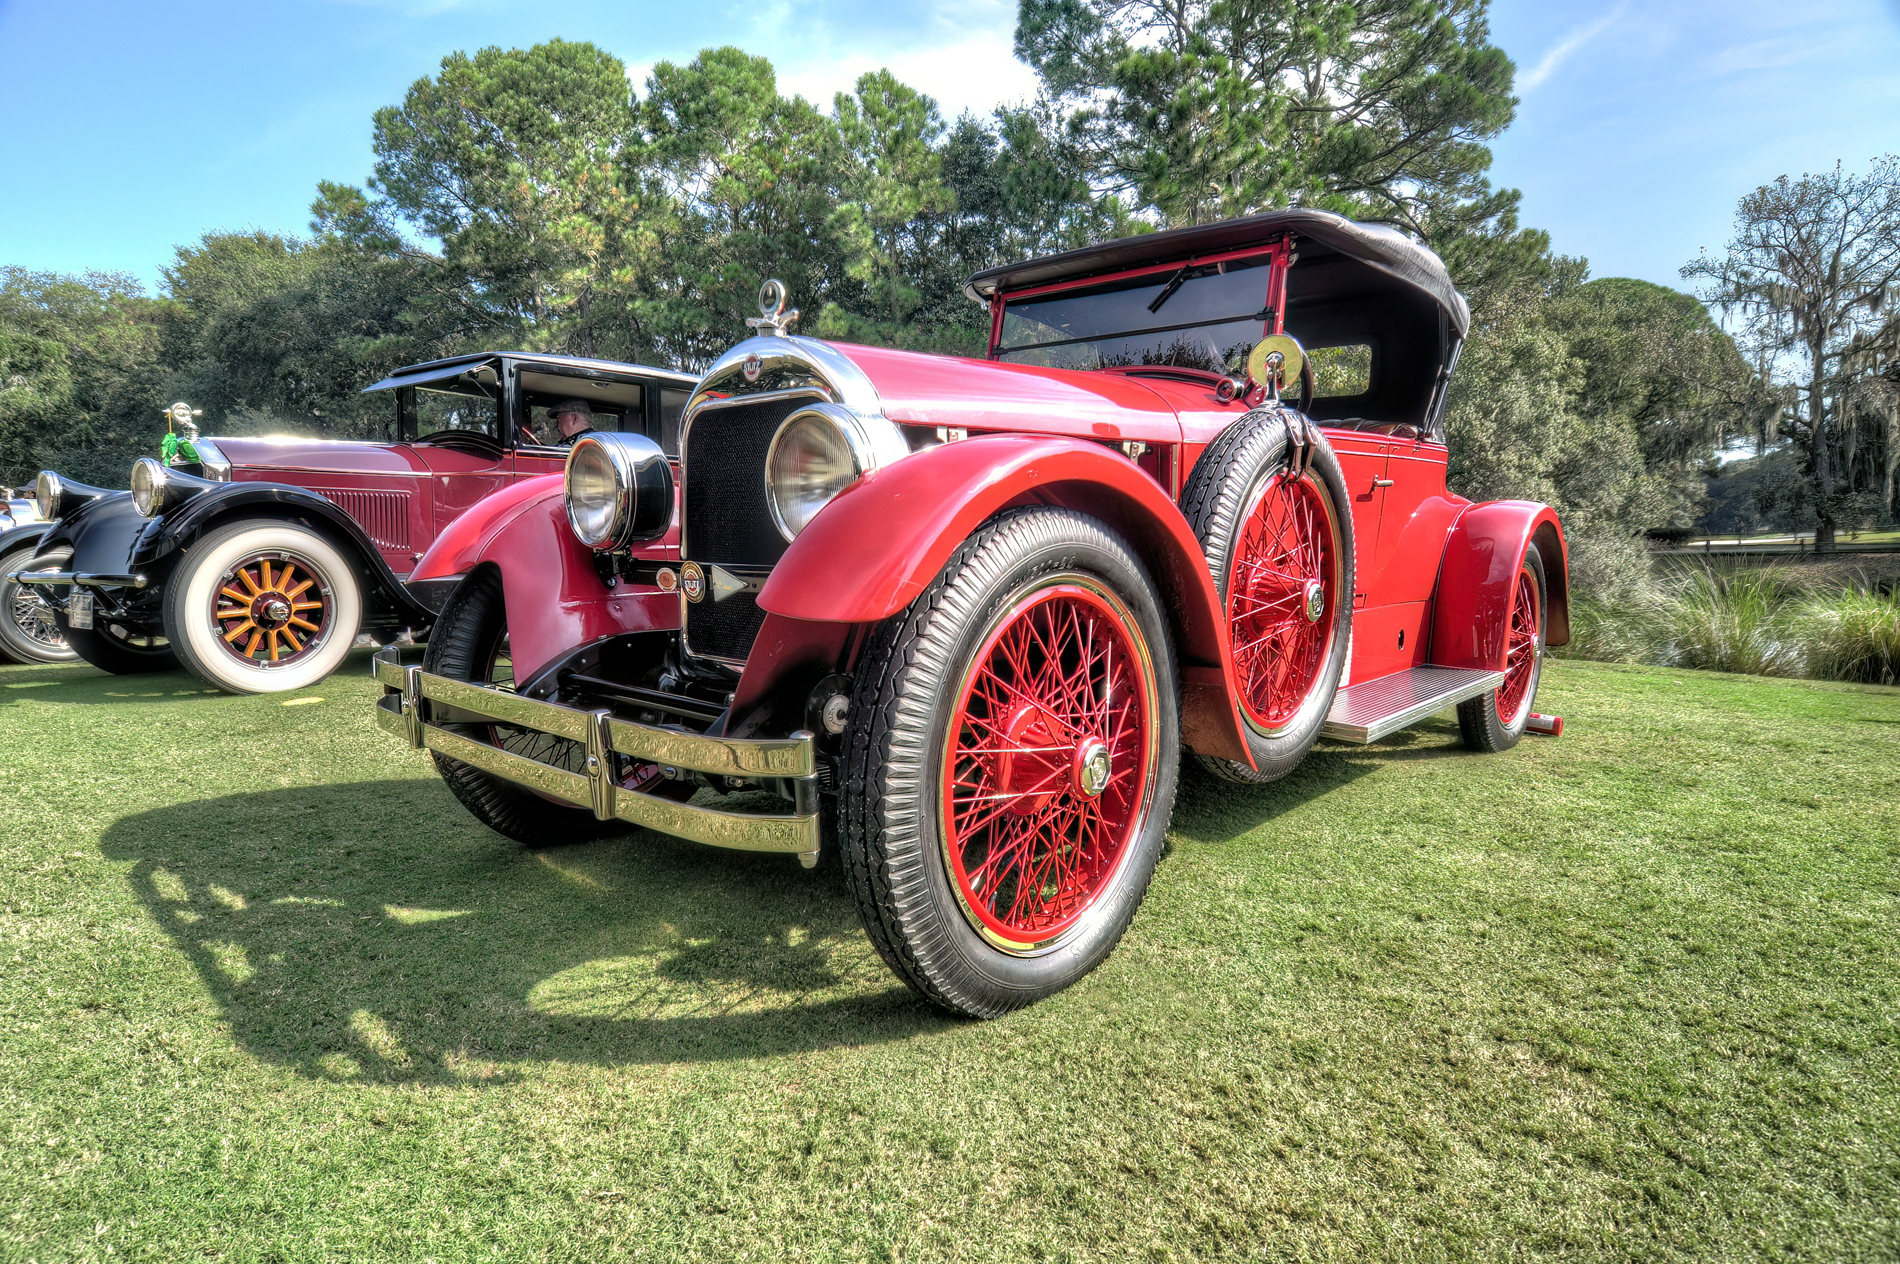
point(1732, 619)
point(1852, 635)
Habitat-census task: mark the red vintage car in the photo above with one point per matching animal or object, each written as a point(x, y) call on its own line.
point(962, 617)
point(256, 562)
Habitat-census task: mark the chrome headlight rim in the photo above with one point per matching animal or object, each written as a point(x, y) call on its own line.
point(48, 488)
point(150, 484)
point(871, 443)
point(641, 490)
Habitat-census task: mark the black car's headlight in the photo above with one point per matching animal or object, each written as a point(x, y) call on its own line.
point(58, 497)
point(619, 490)
point(819, 451)
point(157, 487)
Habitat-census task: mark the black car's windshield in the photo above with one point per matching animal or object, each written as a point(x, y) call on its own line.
point(1205, 317)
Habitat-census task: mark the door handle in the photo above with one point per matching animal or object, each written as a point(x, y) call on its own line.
point(1382, 482)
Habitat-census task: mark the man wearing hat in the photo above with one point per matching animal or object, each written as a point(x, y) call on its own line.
point(574, 417)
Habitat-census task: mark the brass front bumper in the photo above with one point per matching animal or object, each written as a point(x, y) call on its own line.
point(411, 713)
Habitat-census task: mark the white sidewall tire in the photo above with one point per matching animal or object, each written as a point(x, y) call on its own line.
point(194, 585)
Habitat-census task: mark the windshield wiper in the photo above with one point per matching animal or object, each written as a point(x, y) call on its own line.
point(1167, 291)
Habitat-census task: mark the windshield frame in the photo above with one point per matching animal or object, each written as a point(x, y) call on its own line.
point(1277, 254)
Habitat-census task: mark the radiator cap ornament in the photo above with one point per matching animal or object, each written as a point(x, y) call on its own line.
point(773, 321)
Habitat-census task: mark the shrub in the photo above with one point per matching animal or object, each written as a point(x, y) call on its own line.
point(1852, 635)
point(1731, 619)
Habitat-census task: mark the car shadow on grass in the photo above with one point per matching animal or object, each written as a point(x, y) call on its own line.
point(84, 683)
point(375, 931)
point(1209, 809)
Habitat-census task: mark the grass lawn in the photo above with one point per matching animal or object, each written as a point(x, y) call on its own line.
point(267, 993)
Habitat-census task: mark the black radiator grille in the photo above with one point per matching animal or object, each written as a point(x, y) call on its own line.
point(724, 629)
point(727, 522)
point(726, 515)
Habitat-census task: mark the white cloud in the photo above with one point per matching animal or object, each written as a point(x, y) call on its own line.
point(977, 72)
point(1569, 44)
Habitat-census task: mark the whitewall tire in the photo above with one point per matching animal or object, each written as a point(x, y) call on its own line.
point(262, 607)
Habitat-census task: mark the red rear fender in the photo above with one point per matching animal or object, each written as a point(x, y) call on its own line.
point(1473, 602)
point(871, 551)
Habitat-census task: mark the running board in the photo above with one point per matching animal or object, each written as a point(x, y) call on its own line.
point(1367, 711)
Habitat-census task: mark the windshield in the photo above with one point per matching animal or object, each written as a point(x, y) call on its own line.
point(1206, 317)
point(460, 405)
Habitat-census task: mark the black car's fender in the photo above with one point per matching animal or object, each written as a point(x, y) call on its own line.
point(156, 546)
point(101, 533)
point(25, 533)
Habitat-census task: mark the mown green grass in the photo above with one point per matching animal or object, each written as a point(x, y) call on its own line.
point(266, 993)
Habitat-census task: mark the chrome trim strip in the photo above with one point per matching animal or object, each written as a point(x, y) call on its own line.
point(412, 705)
point(503, 707)
point(730, 756)
point(89, 579)
point(792, 758)
point(599, 764)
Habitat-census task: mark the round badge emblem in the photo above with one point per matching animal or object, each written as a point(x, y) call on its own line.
point(751, 367)
point(668, 579)
point(692, 581)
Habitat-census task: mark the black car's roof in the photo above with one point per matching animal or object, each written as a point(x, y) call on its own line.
point(1386, 249)
point(579, 363)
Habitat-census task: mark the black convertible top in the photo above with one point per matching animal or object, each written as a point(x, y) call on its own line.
point(1385, 249)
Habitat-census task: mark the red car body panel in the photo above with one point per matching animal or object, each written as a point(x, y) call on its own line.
point(870, 552)
point(930, 390)
point(463, 542)
point(556, 599)
point(1479, 574)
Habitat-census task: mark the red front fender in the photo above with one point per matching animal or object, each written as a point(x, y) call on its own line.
point(462, 542)
point(1478, 577)
point(556, 600)
point(871, 551)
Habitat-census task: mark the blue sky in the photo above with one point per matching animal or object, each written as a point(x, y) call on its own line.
point(128, 128)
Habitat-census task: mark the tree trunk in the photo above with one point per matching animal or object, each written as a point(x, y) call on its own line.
point(1822, 458)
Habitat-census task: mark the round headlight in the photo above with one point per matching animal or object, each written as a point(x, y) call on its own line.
point(46, 489)
point(148, 486)
point(619, 490)
point(817, 453)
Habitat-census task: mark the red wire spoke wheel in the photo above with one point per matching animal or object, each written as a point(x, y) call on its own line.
point(272, 608)
point(1495, 720)
point(1282, 587)
point(1052, 734)
point(1520, 652)
point(1280, 551)
point(1009, 763)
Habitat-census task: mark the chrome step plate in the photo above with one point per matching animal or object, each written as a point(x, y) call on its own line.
point(1369, 710)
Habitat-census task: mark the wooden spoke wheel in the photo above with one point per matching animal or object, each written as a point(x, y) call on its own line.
point(272, 608)
point(1279, 547)
point(262, 606)
point(1010, 764)
point(1494, 721)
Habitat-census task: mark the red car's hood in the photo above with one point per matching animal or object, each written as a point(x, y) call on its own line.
point(932, 390)
point(292, 454)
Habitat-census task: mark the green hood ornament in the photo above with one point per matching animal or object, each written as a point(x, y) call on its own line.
point(177, 448)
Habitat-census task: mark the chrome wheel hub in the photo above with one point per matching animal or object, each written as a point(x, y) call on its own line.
point(1315, 600)
point(1093, 767)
